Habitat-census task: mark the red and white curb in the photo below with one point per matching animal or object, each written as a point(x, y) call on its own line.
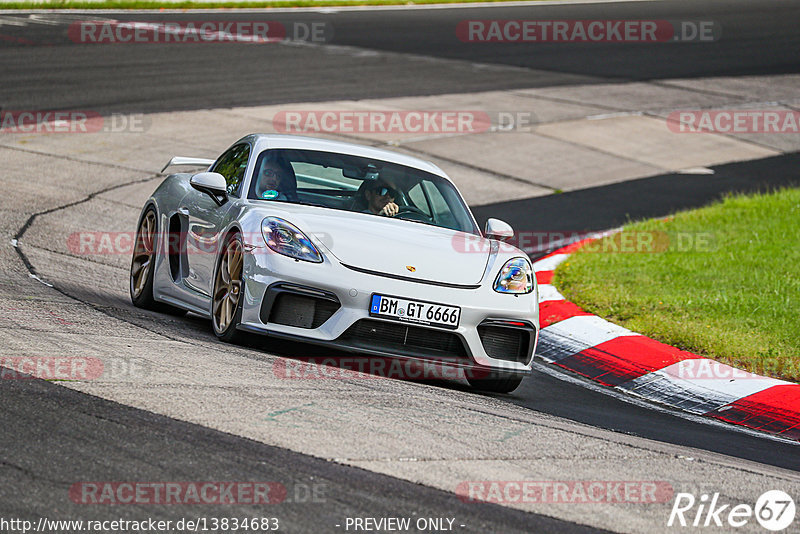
point(619, 358)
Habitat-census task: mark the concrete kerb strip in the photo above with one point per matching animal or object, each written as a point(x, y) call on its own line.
point(616, 357)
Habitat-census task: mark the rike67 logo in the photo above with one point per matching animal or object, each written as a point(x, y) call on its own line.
point(774, 510)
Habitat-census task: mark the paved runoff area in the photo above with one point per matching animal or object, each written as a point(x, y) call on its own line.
point(515, 144)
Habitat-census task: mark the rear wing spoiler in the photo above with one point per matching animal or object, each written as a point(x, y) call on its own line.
point(195, 162)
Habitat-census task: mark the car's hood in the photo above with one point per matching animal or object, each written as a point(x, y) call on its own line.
point(395, 247)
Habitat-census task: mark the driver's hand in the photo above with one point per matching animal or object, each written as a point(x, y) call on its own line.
point(389, 210)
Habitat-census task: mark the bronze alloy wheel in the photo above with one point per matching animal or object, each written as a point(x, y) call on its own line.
point(228, 287)
point(143, 254)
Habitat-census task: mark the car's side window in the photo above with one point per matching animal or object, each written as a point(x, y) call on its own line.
point(417, 196)
point(442, 213)
point(232, 165)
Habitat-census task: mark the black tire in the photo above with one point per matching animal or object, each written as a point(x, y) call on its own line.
point(496, 382)
point(145, 249)
point(226, 299)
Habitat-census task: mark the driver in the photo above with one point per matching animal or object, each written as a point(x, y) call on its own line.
point(380, 199)
point(273, 181)
point(269, 183)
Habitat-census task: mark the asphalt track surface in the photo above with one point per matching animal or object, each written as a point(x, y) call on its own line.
point(63, 433)
point(759, 38)
point(93, 439)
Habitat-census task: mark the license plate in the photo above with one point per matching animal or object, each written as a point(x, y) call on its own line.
point(415, 311)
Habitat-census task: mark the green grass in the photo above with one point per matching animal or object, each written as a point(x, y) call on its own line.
point(188, 4)
point(734, 298)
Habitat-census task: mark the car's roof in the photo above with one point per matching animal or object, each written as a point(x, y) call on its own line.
point(265, 141)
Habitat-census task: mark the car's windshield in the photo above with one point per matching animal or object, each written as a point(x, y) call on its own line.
point(353, 183)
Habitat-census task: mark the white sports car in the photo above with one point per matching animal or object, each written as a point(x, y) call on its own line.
point(349, 246)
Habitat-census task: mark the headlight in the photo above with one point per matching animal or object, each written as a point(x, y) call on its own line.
point(516, 277)
point(285, 238)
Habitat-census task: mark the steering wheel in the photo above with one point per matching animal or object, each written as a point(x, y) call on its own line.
point(414, 212)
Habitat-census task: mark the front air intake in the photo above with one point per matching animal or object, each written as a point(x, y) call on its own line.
point(502, 341)
point(405, 339)
point(298, 306)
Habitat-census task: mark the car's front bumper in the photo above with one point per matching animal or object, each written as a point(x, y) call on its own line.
point(266, 274)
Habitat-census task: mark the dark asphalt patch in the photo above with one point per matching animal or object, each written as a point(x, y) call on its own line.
point(70, 437)
point(610, 206)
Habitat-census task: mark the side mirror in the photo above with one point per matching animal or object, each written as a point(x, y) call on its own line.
point(496, 229)
point(213, 184)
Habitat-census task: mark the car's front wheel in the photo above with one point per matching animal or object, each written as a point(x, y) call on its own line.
point(226, 310)
point(496, 382)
